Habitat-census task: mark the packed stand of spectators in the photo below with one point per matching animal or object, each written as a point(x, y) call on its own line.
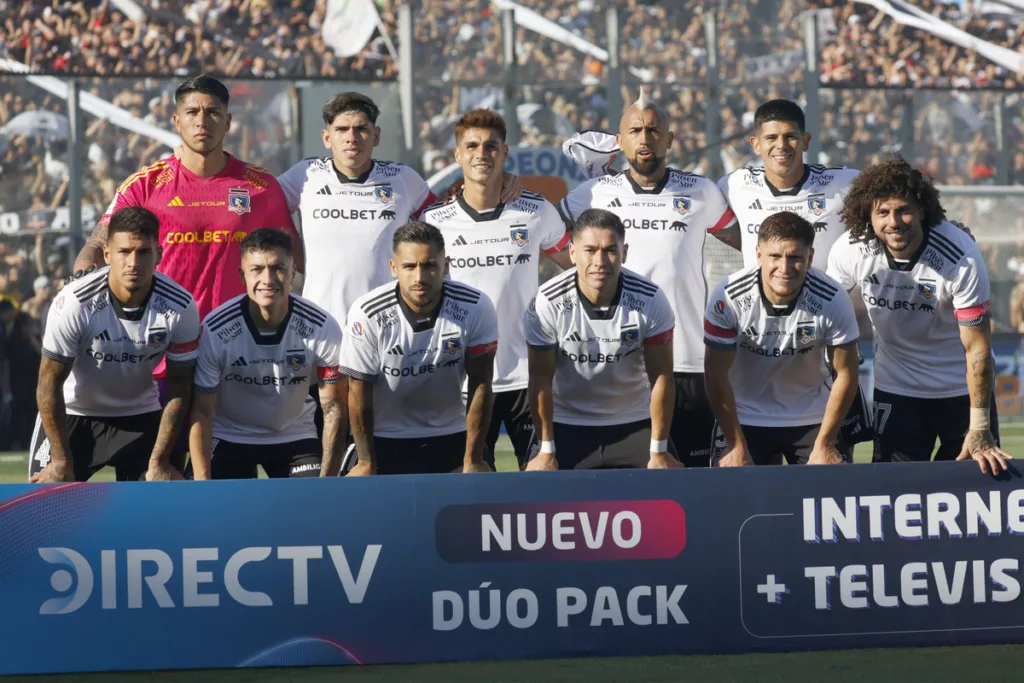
point(234, 38)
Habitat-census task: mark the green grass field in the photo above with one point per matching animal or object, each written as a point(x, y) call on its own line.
point(934, 665)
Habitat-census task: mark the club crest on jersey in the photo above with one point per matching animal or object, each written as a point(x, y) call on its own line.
point(296, 360)
point(238, 200)
point(630, 337)
point(682, 204)
point(816, 205)
point(520, 236)
point(357, 329)
point(926, 290)
point(805, 334)
point(384, 194)
point(157, 337)
point(720, 307)
point(451, 345)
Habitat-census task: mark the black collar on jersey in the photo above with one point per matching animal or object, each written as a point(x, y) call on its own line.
point(358, 180)
point(135, 315)
point(476, 215)
point(658, 187)
point(257, 336)
point(771, 309)
point(793, 191)
point(415, 322)
point(588, 308)
point(909, 265)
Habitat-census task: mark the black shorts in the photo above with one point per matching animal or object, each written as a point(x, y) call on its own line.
point(513, 409)
point(124, 443)
point(859, 425)
point(692, 421)
point(608, 447)
point(427, 455)
point(906, 427)
point(293, 459)
point(769, 445)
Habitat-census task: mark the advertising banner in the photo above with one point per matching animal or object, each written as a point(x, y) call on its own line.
point(506, 566)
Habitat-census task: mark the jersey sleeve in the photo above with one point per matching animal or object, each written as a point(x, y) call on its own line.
point(971, 289)
point(576, 202)
point(209, 363)
point(540, 325)
point(183, 346)
point(720, 214)
point(839, 266)
point(129, 194)
point(279, 215)
point(660, 320)
point(291, 182)
point(328, 352)
point(360, 353)
point(720, 321)
point(841, 322)
point(420, 196)
point(64, 327)
point(553, 234)
point(482, 335)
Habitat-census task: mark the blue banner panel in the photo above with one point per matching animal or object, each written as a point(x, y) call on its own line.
point(506, 566)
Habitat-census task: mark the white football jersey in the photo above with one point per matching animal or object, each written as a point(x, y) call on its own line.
point(778, 376)
point(600, 378)
point(818, 197)
point(498, 252)
point(423, 361)
point(262, 380)
point(347, 225)
point(113, 352)
point(666, 227)
point(916, 308)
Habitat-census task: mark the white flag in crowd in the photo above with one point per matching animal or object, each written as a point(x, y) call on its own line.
point(349, 25)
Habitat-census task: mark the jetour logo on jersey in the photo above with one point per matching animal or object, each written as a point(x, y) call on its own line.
point(384, 194)
point(155, 570)
point(238, 200)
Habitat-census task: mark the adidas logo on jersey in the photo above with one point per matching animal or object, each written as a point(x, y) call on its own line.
point(102, 336)
point(574, 337)
point(324, 190)
point(615, 204)
point(460, 241)
point(750, 331)
point(396, 350)
point(239, 362)
point(756, 206)
point(176, 202)
point(872, 279)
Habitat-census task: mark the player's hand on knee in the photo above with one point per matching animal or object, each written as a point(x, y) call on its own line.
point(362, 469)
point(163, 471)
point(542, 462)
point(511, 187)
point(981, 446)
point(470, 467)
point(825, 454)
point(662, 461)
point(54, 473)
point(737, 456)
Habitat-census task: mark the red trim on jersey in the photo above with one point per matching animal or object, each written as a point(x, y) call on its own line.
point(482, 349)
point(974, 311)
point(332, 372)
point(715, 330)
point(183, 347)
point(560, 246)
point(727, 218)
point(431, 199)
point(662, 338)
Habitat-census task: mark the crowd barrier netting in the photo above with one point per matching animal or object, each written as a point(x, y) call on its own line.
point(506, 566)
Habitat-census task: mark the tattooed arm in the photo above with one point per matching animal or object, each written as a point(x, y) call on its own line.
point(91, 254)
point(333, 400)
point(179, 394)
point(53, 415)
point(979, 443)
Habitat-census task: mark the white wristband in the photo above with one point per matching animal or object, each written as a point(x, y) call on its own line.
point(547, 446)
point(659, 446)
point(980, 419)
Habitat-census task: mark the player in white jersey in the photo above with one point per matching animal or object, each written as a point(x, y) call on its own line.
point(668, 215)
point(927, 292)
point(767, 331)
point(409, 349)
point(258, 354)
point(496, 247)
point(600, 338)
point(105, 334)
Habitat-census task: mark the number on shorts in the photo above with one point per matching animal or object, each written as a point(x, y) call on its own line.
point(881, 411)
point(43, 454)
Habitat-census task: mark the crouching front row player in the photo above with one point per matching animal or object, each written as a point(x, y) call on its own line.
point(767, 330)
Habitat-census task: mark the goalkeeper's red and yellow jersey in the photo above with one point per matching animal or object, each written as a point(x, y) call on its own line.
point(203, 220)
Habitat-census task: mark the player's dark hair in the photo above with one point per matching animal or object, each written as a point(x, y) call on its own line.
point(268, 239)
point(786, 225)
point(893, 178)
point(779, 110)
point(599, 218)
point(480, 118)
point(207, 85)
point(135, 220)
point(418, 232)
point(350, 101)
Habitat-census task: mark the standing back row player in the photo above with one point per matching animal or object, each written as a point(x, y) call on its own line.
point(106, 332)
point(495, 246)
